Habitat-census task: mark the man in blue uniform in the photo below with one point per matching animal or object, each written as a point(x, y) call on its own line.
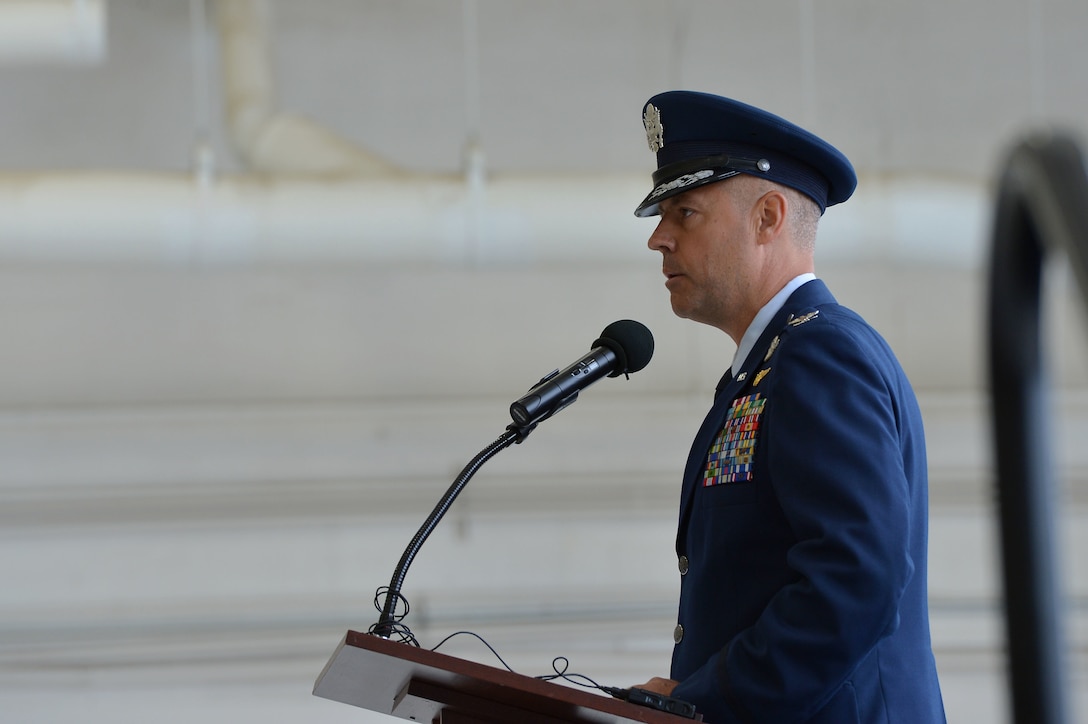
point(803, 525)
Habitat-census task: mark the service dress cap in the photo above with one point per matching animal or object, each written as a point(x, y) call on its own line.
point(701, 138)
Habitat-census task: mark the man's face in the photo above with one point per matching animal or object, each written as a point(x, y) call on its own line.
point(707, 244)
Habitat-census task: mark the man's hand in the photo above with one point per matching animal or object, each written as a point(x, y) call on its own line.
point(659, 686)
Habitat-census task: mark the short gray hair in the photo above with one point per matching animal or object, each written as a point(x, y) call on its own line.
point(804, 217)
point(803, 214)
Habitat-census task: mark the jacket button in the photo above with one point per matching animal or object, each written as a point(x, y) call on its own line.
point(683, 565)
point(678, 634)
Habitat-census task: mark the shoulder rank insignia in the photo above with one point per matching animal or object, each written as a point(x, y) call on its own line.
point(760, 375)
point(798, 321)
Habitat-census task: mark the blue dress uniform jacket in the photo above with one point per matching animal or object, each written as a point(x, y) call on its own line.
point(803, 534)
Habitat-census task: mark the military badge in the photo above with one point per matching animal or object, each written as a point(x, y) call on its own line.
point(770, 350)
point(655, 132)
point(733, 451)
point(798, 321)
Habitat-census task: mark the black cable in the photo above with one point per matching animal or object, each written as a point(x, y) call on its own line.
point(561, 667)
point(481, 640)
point(576, 679)
point(568, 677)
point(394, 628)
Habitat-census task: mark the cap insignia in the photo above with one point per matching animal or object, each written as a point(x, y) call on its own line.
point(655, 132)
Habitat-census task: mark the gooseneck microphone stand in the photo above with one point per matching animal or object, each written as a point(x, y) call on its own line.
point(624, 346)
point(388, 622)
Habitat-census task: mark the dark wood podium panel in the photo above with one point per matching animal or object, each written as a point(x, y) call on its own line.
point(411, 683)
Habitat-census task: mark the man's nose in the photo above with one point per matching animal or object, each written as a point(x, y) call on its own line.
point(661, 239)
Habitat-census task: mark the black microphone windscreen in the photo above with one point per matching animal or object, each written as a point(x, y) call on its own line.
point(631, 341)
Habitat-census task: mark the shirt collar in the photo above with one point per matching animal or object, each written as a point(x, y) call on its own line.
point(763, 318)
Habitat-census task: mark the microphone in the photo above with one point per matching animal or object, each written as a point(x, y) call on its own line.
point(624, 347)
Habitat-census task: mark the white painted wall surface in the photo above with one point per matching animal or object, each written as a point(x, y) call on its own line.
point(267, 286)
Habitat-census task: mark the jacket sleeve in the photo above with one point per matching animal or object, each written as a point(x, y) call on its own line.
point(832, 447)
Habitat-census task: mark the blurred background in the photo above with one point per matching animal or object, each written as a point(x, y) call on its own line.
point(271, 273)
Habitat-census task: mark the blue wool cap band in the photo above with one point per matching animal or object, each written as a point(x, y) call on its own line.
point(701, 138)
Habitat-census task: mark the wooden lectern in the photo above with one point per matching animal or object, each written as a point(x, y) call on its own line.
point(408, 682)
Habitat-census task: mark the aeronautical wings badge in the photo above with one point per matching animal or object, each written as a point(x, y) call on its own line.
point(798, 321)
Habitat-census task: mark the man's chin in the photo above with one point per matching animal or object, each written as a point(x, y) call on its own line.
point(680, 308)
point(687, 311)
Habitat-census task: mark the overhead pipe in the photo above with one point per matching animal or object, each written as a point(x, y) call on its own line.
point(172, 219)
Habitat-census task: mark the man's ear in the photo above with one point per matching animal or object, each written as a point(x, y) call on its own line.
point(771, 210)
